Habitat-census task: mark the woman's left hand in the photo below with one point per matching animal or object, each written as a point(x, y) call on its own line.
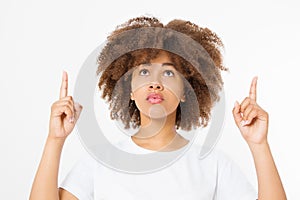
point(251, 119)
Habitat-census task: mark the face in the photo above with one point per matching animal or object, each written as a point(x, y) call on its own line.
point(157, 87)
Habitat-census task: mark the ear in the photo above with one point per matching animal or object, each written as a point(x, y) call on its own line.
point(131, 96)
point(182, 98)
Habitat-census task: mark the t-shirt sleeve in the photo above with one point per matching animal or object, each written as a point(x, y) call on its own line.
point(232, 183)
point(79, 181)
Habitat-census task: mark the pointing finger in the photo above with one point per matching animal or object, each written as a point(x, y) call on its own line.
point(64, 85)
point(252, 93)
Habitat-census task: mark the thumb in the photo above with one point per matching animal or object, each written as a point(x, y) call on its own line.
point(237, 114)
point(78, 109)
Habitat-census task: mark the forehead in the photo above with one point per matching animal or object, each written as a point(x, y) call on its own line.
point(162, 57)
point(154, 59)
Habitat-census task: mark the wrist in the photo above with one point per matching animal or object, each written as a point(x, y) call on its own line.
point(258, 147)
point(56, 140)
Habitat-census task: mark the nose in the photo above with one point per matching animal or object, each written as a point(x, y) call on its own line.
point(155, 86)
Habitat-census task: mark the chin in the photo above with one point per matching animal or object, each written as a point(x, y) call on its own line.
point(157, 111)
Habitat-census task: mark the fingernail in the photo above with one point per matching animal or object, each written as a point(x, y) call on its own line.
point(244, 122)
point(78, 105)
point(236, 103)
point(71, 120)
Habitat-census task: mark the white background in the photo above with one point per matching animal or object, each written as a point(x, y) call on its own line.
point(39, 39)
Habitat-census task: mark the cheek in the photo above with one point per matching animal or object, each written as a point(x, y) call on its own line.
point(138, 83)
point(175, 87)
point(139, 95)
point(140, 101)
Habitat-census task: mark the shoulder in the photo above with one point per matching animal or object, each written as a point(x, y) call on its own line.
point(80, 180)
point(85, 163)
point(65, 194)
point(209, 154)
point(203, 159)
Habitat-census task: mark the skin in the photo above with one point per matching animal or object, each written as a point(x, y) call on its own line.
point(249, 117)
point(158, 132)
point(64, 114)
point(253, 122)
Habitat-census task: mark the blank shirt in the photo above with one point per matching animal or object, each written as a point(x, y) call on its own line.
point(214, 177)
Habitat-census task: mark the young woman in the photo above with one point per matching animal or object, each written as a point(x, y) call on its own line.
point(156, 88)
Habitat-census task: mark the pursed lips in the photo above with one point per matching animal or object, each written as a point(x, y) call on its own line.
point(154, 98)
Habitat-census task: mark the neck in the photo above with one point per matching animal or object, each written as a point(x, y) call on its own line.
point(158, 133)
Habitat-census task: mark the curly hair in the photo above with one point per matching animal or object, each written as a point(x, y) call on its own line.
point(202, 83)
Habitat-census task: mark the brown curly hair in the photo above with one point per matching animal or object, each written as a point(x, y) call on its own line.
point(203, 81)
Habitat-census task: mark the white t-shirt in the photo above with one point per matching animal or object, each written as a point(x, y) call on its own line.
point(215, 177)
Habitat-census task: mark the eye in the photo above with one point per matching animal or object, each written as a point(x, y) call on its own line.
point(144, 72)
point(168, 73)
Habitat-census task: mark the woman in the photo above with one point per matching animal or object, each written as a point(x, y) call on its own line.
point(159, 85)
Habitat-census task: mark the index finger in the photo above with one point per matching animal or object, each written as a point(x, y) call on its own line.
point(252, 93)
point(64, 85)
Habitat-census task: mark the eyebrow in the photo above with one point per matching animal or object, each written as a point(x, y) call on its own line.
point(166, 64)
point(163, 64)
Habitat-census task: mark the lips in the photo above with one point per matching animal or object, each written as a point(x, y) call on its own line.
point(154, 98)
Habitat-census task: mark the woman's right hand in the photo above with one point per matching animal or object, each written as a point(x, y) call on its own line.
point(64, 113)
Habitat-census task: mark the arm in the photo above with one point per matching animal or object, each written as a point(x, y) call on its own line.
point(45, 182)
point(253, 121)
point(64, 114)
point(269, 183)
